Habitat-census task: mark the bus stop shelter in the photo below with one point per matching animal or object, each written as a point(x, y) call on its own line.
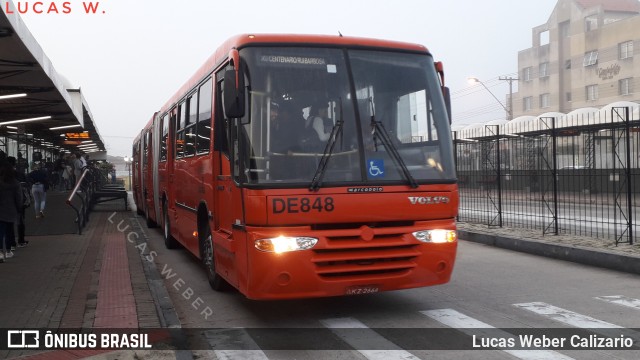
point(39, 109)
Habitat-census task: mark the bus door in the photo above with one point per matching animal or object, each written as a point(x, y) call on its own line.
point(171, 164)
point(165, 165)
point(147, 176)
point(228, 214)
point(229, 200)
point(186, 170)
point(229, 220)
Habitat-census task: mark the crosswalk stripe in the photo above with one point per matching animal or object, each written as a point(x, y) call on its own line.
point(457, 320)
point(365, 338)
point(621, 300)
point(566, 316)
point(237, 338)
point(240, 355)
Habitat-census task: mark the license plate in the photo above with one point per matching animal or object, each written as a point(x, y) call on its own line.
point(362, 289)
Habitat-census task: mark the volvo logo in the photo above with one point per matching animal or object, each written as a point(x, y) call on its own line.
point(428, 200)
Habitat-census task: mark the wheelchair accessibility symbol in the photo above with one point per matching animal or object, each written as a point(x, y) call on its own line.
point(375, 168)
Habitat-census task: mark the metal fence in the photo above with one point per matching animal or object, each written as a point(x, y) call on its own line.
point(573, 174)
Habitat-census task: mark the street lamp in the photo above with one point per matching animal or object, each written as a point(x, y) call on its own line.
point(473, 80)
point(127, 161)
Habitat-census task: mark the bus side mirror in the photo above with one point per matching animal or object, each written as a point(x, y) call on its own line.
point(233, 93)
point(445, 90)
point(447, 101)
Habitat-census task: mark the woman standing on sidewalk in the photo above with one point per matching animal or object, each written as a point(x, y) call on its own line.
point(38, 177)
point(10, 203)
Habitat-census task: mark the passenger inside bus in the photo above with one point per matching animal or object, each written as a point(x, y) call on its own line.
point(319, 121)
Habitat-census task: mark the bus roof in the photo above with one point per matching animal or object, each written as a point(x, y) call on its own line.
point(148, 126)
point(244, 40)
point(240, 41)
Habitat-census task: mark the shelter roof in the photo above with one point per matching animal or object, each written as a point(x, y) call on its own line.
point(25, 69)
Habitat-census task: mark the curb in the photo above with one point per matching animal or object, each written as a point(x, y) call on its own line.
point(164, 306)
point(577, 254)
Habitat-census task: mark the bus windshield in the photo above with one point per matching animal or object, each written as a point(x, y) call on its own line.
point(335, 117)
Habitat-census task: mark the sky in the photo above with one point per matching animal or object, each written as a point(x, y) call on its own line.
point(132, 55)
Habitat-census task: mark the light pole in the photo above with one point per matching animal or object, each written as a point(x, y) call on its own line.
point(127, 161)
point(473, 80)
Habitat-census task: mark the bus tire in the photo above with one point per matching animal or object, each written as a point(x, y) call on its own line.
point(216, 281)
point(169, 241)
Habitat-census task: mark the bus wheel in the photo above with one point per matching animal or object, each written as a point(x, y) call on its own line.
point(216, 282)
point(169, 241)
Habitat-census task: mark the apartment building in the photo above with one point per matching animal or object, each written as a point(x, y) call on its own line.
point(586, 55)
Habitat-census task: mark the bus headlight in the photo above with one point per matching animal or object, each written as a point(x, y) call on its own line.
point(436, 236)
point(283, 244)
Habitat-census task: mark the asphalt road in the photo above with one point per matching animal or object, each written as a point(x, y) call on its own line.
point(491, 288)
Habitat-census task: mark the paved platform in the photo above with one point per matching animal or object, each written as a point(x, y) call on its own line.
point(59, 218)
point(68, 281)
point(101, 279)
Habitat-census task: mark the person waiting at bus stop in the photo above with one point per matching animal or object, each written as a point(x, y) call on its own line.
point(22, 179)
point(10, 203)
point(39, 178)
point(78, 166)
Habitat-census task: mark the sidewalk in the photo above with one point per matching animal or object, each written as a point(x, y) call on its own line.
point(70, 281)
point(580, 249)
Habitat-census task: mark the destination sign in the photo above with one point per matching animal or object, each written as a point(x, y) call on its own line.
point(82, 135)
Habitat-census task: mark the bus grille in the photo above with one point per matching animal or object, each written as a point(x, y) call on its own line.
point(353, 257)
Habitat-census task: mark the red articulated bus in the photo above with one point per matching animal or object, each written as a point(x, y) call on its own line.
point(142, 173)
point(306, 166)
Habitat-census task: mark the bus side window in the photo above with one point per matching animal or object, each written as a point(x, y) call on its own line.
point(172, 129)
point(164, 125)
point(180, 124)
point(203, 138)
point(190, 136)
point(220, 126)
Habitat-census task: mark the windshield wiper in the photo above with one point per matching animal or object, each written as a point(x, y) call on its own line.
point(328, 151)
point(378, 130)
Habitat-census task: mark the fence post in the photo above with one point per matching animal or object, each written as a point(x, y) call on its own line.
point(554, 145)
point(492, 168)
point(552, 167)
point(455, 161)
point(499, 176)
point(625, 219)
point(628, 174)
